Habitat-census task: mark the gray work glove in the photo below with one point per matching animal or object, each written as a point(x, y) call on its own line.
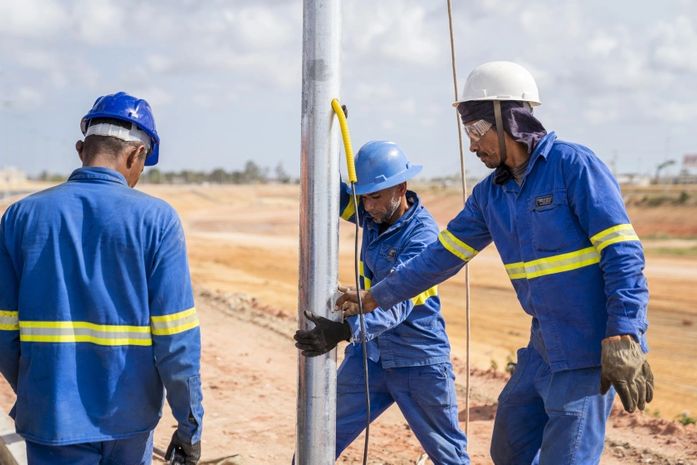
point(623, 365)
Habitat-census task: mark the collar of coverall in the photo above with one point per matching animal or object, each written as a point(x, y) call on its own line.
point(542, 149)
point(97, 174)
point(414, 204)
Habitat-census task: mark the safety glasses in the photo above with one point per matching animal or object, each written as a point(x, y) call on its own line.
point(476, 130)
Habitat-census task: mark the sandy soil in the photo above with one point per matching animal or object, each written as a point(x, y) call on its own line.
point(249, 368)
point(243, 253)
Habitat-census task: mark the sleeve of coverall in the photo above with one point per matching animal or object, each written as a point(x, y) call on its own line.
point(347, 210)
point(9, 325)
point(175, 331)
point(380, 320)
point(596, 200)
point(464, 237)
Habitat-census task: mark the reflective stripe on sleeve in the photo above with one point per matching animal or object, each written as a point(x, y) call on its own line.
point(424, 296)
point(167, 325)
point(9, 320)
point(613, 235)
point(455, 246)
point(554, 264)
point(83, 331)
point(366, 281)
point(348, 211)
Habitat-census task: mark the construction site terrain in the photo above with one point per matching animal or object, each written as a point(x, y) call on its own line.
point(243, 251)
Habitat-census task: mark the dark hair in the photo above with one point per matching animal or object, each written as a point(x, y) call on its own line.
point(106, 145)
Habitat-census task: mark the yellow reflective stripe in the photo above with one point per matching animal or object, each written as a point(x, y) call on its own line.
point(85, 338)
point(84, 331)
point(348, 211)
point(455, 246)
point(84, 325)
point(554, 264)
point(166, 325)
point(613, 235)
point(9, 320)
point(423, 297)
point(366, 281)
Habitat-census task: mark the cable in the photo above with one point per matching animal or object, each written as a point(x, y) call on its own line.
point(463, 180)
point(348, 148)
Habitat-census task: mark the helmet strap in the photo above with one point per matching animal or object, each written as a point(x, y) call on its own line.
point(499, 131)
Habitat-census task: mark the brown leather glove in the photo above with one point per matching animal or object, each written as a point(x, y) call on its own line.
point(623, 365)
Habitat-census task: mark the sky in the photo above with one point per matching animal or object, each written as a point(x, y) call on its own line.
point(224, 76)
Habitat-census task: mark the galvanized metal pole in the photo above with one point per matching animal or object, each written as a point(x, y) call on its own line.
point(319, 226)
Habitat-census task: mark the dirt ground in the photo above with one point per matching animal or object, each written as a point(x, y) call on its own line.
point(243, 254)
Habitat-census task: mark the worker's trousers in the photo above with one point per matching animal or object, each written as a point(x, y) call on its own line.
point(425, 395)
point(546, 418)
point(135, 450)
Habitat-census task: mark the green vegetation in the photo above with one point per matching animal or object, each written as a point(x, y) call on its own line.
point(685, 419)
point(251, 174)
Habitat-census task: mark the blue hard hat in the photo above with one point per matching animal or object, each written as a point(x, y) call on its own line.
point(381, 164)
point(124, 107)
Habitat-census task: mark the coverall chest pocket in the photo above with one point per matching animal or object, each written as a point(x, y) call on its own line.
point(387, 259)
point(552, 222)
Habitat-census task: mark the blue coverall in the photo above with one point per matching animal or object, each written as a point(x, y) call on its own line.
point(97, 317)
point(408, 349)
point(577, 268)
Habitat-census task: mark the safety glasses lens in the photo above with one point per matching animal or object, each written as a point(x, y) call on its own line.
point(476, 130)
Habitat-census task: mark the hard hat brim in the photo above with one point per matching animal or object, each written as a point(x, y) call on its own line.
point(533, 103)
point(369, 188)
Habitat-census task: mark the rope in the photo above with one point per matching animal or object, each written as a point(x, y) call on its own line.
point(463, 180)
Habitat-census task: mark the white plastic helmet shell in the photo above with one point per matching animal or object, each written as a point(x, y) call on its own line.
point(500, 80)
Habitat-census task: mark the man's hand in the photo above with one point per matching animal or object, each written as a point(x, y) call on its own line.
point(348, 301)
point(181, 452)
point(323, 337)
point(624, 366)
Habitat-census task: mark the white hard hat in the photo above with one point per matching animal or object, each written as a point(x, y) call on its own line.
point(500, 80)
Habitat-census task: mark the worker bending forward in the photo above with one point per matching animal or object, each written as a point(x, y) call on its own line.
point(408, 349)
point(557, 218)
point(97, 313)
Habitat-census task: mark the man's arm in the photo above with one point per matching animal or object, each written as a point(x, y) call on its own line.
point(464, 237)
point(381, 320)
point(175, 329)
point(347, 210)
point(596, 200)
point(9, 320)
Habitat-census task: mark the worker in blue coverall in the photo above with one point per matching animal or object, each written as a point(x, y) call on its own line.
point(408, 349)
point(97, 315)
point(557, 218)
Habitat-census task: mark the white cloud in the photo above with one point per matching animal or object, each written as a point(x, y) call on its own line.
point(597, 64)
point(100, 22)
point(674, 45)
point(602, 44)
point(32, 18)
point(392, 30)
point(26, 98)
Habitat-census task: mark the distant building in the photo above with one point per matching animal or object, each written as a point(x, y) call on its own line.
point(11, 176)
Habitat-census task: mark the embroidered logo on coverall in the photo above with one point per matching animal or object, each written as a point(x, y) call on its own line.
point(543, 201)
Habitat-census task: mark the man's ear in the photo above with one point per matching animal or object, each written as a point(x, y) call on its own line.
point(134, 153)
point(79, 145)
point(131, 157)
point(402, 188)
